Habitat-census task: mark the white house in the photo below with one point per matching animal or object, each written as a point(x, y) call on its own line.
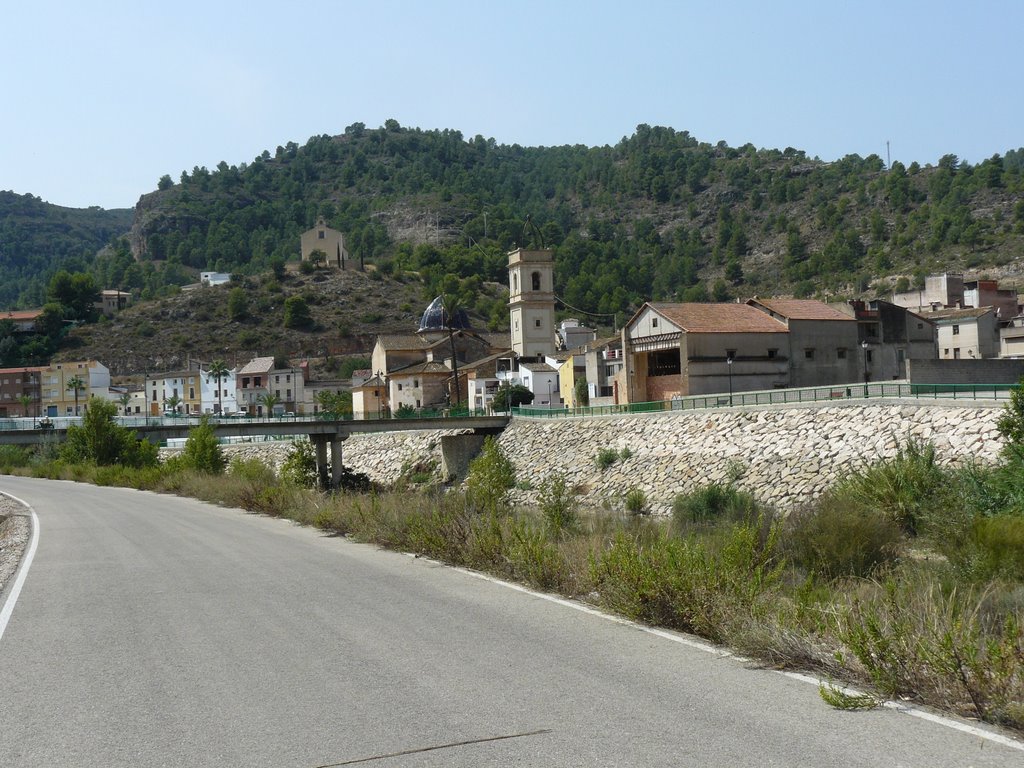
point(214, 278)
point(220, 398)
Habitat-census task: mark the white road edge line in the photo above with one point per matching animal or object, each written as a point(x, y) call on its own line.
point(26, 562)
point(897, 706)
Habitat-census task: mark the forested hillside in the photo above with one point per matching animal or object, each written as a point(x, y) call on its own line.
point(37, 239)
point(659, 215)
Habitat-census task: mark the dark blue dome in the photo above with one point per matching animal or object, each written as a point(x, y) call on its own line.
point(436, 319)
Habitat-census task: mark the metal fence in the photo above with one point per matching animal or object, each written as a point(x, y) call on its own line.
point(837, 393)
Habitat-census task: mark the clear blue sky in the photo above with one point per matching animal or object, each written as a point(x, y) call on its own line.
point(101, 99)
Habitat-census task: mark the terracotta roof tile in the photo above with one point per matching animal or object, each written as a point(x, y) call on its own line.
point(801, 309)
point(720, 318)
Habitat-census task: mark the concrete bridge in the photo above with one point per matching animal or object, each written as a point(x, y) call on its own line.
point(325, 434)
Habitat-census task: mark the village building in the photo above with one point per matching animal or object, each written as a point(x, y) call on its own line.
point(21, 392)
point(174, 392)
point(823, 341)
point(259, 383)
point(57, 399)
point(889, 336)
point(963, 334)
point(329, 242)
point(674, 350)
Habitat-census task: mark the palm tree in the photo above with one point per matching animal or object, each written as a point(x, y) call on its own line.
point(26, 401)
point(171, 403)
point(124, 400)
point(76, 383)
point(268, 401)
point(218, 370)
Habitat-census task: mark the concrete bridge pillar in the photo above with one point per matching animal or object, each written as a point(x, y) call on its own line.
point(321, 461)
point(336, 463)
point(456, 453)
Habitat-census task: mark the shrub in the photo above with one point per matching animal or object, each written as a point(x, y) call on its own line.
point(605, 458)
point(299, 467)
point(832, 541)
point(491, 477)
point(626, 453)
point(13, 456)
point(712, 503)
point(559, 507)
point(98, 440)
point(993, 549)
point(906, 488)
point(636, 502)
point(202, 451)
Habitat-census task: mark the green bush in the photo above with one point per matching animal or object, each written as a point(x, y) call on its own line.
point(299, 467)
point(993, 549)
point(559, 507)
point(100, 441)
point(832, 541)
point(202, 451)
point(605, 458)
point(907, 488)
point(710, 504)
point(491, 477)
point(13, 456)
point(636, 502)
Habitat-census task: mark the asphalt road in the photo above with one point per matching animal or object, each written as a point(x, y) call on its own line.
point(156, 631)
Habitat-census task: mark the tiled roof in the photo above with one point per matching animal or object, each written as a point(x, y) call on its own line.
point(538, 367)
point(403, 341)
point(258, 365)
point(956, 314)
point(473, 364)
point(422, 368)
point(21, 314)
point(802, 309)
point(719, 318)
point(363, 373)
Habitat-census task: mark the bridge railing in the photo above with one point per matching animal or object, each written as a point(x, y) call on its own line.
point(839, 392)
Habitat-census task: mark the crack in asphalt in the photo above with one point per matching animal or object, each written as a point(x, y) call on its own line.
point(436, 747)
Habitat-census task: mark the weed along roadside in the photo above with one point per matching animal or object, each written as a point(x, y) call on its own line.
point(906, 578)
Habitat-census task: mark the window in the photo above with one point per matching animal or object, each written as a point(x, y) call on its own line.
point(772, 354)
point(277, 393)
point(956, 353)
point(287, 394)
point(277, 379)
point(808, 354)
point(399, 387)
point(901, 355)
point(956, 330)
point(920, 326)
point(535, 278)
point(840, 354)
point(945, 352)
point(654, 322)
point(191, 393)
point(536, 323)
point(415, 382)
point(872, 331)
point(320, 235)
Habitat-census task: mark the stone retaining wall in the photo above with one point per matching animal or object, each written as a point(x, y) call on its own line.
point(785, 456)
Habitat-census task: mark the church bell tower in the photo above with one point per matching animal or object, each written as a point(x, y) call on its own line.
point(531, 302)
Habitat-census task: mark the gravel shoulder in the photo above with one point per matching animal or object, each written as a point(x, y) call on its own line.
point(15, 529)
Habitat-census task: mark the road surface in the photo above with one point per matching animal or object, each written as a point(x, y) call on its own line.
point(157, 631)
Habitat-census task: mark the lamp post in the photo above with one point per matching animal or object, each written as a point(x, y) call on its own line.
point(728, 363)
point(864, 347)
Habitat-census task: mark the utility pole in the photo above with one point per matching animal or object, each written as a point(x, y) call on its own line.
point(888, 160)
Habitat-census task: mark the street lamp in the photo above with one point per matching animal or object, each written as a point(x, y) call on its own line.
point(728, 362)
point(864, 347)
